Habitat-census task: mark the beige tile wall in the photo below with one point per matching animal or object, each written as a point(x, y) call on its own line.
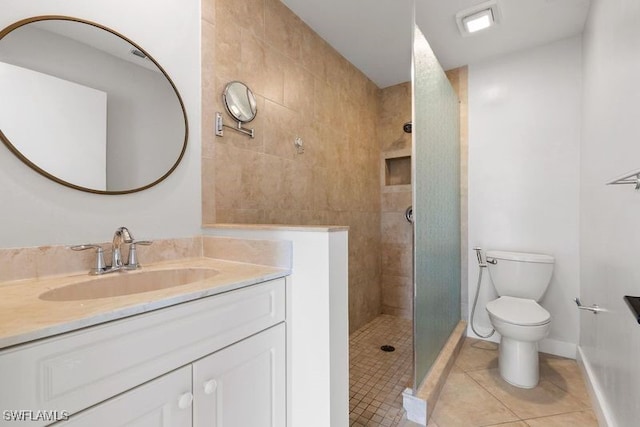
point(396, 232)
point(304, 89)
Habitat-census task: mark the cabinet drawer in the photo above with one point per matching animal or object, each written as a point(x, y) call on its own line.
point(76, 370)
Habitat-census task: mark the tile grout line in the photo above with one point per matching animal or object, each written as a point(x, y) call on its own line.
point(565, 389)
point(375, 391)
point(512, 411)
point(555, 415)
point(491, 394)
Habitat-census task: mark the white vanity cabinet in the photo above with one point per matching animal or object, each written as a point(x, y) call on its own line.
point(217, 361)
point(242, 385)
point(239, 386)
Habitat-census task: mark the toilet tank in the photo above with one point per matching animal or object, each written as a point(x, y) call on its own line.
point(520, 274)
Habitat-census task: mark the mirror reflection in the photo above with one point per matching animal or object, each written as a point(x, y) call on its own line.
point(240, 102)
point(86, 107)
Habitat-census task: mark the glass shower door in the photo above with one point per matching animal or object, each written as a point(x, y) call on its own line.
point(436, 206)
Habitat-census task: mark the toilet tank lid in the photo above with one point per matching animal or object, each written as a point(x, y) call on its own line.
point(521, 256)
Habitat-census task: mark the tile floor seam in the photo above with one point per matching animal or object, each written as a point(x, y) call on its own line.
point(555, 415)
point(579, 402)
point(494, 396)
point(503, 424)
point(475, 369)
point(565, 389)
point(541, 416)
point(509, 410)
point(521, 419)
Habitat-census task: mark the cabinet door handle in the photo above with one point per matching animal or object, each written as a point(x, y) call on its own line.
point(184, 401)
point(210, 386)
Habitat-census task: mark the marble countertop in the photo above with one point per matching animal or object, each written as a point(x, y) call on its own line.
point(25, 317)
point(281, 227)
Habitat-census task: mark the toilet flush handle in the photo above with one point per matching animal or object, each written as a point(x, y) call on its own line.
point(592, 308)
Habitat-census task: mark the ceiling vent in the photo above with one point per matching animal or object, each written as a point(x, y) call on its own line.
point(478, 18)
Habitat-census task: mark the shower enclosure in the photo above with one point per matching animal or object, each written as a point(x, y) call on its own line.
point(420, 299)
point(436, 206)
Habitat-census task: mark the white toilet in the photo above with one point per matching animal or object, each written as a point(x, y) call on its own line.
point(520, 280)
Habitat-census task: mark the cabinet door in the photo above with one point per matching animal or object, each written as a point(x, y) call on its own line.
point(163, 402)
point(243, 385)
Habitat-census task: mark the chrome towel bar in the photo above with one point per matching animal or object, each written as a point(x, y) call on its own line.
point(627, 178)
point(592, 308)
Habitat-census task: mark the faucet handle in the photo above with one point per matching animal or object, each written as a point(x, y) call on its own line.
point(84, 247)
point(132, 261)
point(100, 265)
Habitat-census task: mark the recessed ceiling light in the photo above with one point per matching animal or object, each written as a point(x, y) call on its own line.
point(478, 21)
point(477, 18)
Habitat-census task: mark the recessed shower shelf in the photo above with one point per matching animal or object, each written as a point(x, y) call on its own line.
point(397, 169)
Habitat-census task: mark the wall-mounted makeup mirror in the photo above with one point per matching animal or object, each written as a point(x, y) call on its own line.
point(241, 104)
point(87, 107)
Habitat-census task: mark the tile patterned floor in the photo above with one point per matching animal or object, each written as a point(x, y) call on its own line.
point(475, 395)
point(377, 378)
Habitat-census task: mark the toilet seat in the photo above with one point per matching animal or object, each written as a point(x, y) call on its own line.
point(518, 311)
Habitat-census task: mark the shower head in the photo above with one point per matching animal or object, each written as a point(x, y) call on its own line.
point(407, 127)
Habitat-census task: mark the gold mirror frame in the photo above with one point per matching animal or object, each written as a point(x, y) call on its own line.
point(46, 174)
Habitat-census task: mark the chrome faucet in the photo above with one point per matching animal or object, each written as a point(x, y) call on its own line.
point(122, 235)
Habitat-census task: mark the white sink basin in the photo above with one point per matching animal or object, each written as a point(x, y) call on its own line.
point(127, 283)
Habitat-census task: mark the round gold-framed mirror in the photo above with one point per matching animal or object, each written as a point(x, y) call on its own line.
point(88, 108)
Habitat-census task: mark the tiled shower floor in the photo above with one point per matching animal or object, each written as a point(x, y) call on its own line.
point(377, 378)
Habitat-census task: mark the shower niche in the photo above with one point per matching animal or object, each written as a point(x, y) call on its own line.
point(397, 169)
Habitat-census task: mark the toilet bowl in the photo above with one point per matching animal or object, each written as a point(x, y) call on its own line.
point(521, 323)
point(520, 279)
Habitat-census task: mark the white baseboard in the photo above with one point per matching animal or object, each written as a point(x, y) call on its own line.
point(558, 348)
point(600, 406)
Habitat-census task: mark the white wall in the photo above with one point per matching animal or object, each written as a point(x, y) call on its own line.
point(60, 126)
point(37, 211)
point(524, 137)
point(317, 322)
point(610, 231)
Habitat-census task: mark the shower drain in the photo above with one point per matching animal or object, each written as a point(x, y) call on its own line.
point(388, 348)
